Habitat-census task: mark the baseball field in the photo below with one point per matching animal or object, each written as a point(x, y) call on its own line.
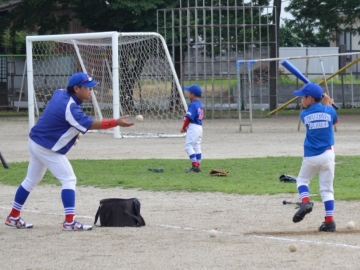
point(253, 232)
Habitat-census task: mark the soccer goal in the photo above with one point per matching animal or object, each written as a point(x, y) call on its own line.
point(135, 73)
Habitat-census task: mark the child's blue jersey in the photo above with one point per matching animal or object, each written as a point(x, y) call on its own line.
point(319, 120)
point(195, 112)
point(61, 122)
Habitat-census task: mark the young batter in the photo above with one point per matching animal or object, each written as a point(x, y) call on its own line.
point(319, 156)
point(193, 127)
point(50, 139)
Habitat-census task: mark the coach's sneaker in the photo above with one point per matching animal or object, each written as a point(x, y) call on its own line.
point(304, 209)
point(17, 222)
point(327, 227)
point(75, 226)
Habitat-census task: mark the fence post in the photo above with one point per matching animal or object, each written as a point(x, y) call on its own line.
point(342, 90)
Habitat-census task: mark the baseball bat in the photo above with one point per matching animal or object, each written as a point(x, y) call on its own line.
point(293, 70)
point(287, 202)
point(6, 166)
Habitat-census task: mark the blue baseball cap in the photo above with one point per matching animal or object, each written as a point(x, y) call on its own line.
point(310, 89)
point(82, 79)
point(195, 89)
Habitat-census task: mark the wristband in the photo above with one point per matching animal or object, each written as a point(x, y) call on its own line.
point(108, 123)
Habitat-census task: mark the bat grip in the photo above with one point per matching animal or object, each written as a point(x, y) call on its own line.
point(335, 107)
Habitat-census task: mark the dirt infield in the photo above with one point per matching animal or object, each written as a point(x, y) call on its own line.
point(254, 231)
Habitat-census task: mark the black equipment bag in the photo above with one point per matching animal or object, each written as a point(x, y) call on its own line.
point(119, 213)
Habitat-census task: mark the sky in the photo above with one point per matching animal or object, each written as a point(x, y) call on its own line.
point(284, 14)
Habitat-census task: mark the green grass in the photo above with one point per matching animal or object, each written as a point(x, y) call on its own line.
point(247, 176)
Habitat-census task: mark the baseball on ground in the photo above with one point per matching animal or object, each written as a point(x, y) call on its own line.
point(293, 247)
point(139, 118)
point(213, 233)
point(350, 225)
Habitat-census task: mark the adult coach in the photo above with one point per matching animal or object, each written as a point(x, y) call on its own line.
point(50, 139)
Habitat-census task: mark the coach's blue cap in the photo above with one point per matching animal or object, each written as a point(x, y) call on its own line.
point(310, 89)
point(195, 89)
point(82, 79)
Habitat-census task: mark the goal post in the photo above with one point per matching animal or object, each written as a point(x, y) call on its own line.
point(135, 73)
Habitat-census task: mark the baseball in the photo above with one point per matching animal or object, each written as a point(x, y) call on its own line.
point(350, 225)
point(139, 118)
point(213, 233)
point(293, 247)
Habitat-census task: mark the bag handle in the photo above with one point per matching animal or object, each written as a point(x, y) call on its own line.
point(138, 217)
point(97, 215)
point(109, 215)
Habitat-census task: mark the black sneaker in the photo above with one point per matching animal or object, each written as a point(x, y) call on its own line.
point(194, 169)
point(304, 209)
point(328, 227)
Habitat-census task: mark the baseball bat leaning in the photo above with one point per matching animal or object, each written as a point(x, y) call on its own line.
point(6, 166)
point(293, 70)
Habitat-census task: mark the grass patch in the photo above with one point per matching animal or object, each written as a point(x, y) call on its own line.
point(247, 176)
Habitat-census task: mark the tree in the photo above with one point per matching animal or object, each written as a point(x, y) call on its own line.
point(41, 16)
point(287, 38)
point(125, 16)
point(53, 17)
point(120, 15)
point(33, 16)
point(45, 17)
point(318, 20)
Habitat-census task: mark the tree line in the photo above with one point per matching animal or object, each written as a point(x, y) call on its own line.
point(314, 23)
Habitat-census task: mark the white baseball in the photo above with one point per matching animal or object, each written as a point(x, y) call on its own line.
point(139, 118)
point(293, 247)
point(213, 233)
point(350, 225)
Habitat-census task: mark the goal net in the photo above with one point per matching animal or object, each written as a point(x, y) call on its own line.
point(135, 73)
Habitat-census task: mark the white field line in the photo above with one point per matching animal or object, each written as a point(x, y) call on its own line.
point(268, 237)
point(228, 233)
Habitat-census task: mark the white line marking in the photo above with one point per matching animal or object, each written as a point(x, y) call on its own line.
point(306, 241)
point(270, 237)
point(228, 233)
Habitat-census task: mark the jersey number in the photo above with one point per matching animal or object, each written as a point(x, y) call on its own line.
point(201, 113)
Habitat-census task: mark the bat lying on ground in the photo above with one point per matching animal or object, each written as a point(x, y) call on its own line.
point(6, 166)
point(293, 70)
point(287, 202)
